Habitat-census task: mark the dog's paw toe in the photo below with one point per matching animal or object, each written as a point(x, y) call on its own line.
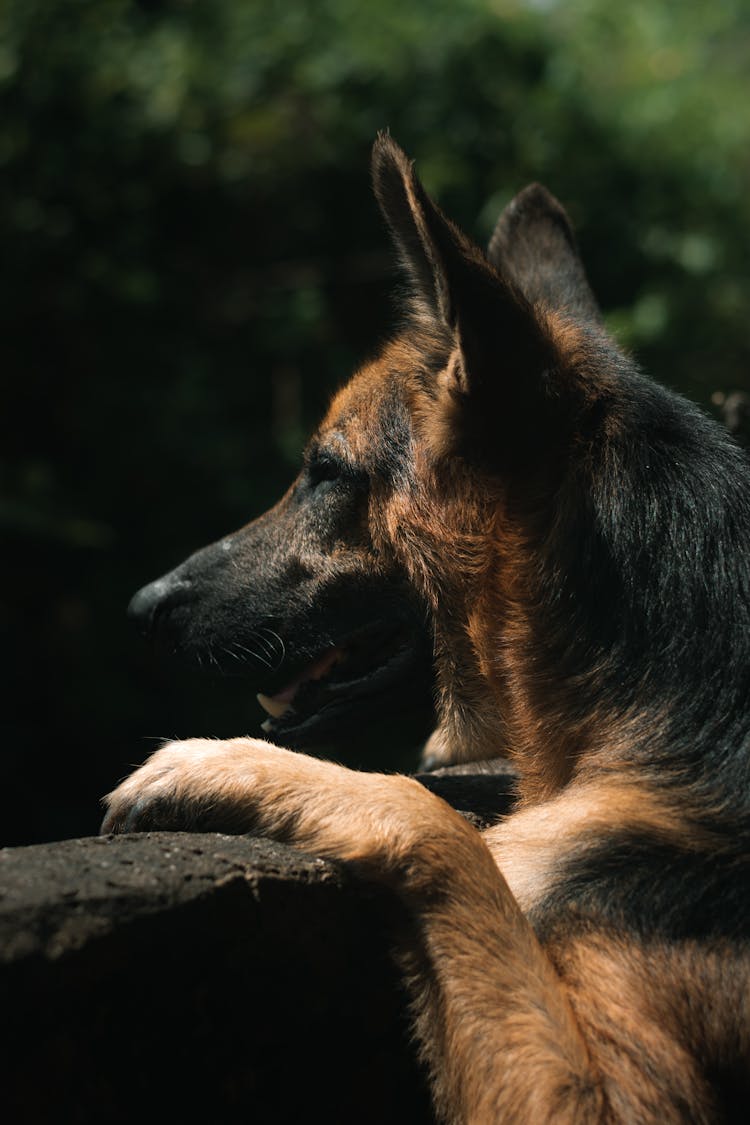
point(143, 814)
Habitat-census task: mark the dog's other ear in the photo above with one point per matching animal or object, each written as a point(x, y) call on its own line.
point(534, 246)
point(494, 325)
point(503, 350)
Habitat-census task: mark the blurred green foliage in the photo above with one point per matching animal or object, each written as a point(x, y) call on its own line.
point(192, 261)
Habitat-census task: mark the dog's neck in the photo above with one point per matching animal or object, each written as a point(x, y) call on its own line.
point(540, 660)
point(470, 726)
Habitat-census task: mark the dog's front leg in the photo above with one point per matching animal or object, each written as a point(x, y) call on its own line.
point(492, 1016)
point(249, 785)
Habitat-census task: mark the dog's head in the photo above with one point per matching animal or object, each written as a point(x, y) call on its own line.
point(328, 600)
point(405, 511)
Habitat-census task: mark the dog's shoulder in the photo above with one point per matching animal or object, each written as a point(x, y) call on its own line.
point(620, 855)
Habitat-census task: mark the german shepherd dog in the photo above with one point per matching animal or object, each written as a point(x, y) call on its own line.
point(579, 536)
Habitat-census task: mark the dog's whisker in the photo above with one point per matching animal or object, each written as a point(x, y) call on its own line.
point(276, 637)
point(252, 653)
point(267, 646)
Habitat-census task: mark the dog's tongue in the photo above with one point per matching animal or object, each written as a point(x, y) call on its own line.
point(277, 704)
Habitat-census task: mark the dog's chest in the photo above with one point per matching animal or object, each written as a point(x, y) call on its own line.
point(529, 848)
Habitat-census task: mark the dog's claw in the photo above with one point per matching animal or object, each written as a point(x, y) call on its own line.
point(117, 821)
point(134, 818)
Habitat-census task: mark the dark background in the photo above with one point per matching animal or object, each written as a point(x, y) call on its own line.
point(192, 261)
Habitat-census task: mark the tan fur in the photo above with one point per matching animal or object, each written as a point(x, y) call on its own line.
point(660, 1019)
point(529, 846)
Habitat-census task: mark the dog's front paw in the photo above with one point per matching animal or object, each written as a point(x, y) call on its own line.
point(196, 785)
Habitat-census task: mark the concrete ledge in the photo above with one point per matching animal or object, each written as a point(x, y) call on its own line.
point(168, 976)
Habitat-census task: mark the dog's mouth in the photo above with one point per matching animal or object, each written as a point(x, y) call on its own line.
point(347, 679)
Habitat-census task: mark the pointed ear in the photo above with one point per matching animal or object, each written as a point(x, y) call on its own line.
point(534, 246)
point(503, 349)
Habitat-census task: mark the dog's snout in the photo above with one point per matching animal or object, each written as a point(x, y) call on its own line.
point(154, 598)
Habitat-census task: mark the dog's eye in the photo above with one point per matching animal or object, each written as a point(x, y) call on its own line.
point(324, 471)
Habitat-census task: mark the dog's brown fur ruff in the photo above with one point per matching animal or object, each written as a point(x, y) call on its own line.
point(574, 963)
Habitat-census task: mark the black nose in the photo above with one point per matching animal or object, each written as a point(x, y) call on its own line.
point(152, 600)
